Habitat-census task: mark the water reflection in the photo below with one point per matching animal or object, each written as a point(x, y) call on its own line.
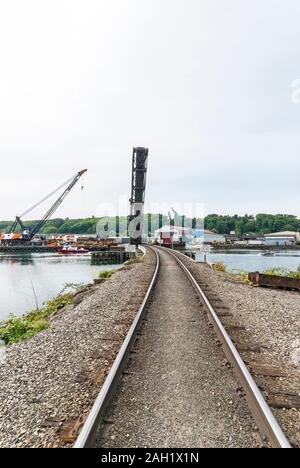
point(22, 260)
point(254, 260)
point(46, 273)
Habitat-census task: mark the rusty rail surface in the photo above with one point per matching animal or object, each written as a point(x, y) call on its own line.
point(89, 431)
point(257, 404)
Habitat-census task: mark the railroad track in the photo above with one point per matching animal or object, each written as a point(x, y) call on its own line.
point(89, 435)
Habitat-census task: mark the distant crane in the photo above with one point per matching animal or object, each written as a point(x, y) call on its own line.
point(12, 237)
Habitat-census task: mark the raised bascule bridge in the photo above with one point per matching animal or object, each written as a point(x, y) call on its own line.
point(163, 360)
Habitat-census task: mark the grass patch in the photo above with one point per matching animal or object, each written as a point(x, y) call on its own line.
point(134, 261)
point(106, 274)
point(242, 276)
point(220, 267)
point(69, 287)
point(283, 272)
point(17, 329)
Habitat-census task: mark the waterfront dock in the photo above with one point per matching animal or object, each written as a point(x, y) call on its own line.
point(110, 257)
point(26, 249)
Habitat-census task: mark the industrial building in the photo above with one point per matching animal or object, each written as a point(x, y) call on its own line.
point(282, 238)
point(168, 234)
point(173, 234)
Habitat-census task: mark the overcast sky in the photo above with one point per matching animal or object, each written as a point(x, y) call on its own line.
point(205, 84)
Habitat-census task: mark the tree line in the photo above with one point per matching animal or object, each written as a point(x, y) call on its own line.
point(248, 224)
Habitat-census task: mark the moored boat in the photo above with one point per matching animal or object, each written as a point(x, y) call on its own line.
point(267, 253)
point(69, 250)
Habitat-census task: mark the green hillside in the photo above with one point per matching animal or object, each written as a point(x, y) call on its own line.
point(248, 224)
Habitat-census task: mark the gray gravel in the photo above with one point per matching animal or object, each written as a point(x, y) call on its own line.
point(55, 376)
point(272, 320)
point(179, 392)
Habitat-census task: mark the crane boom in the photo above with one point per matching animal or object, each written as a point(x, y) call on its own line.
point(55, 205)
point(28, 236)
point(17, 221)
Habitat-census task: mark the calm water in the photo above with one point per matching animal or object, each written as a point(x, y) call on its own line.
point(254, 260)
point(48, 273)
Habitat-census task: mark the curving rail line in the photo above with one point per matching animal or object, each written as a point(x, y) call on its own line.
point(258, 406)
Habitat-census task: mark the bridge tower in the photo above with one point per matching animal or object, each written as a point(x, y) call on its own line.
point(137, 200)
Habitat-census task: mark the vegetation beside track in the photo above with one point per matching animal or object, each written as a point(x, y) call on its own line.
point(106, 274)
point(243, 275)
point(16, 329)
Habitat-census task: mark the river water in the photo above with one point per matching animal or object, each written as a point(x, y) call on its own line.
point(254, 260)
point(46, 274)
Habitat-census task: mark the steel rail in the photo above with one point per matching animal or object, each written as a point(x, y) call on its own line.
point(88, 433)
point(257, 404)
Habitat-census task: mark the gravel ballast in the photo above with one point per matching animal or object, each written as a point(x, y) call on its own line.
point(51, 380)
point(271, 319)
point(178, 391)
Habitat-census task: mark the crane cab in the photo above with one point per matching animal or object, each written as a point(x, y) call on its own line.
point(7, 236)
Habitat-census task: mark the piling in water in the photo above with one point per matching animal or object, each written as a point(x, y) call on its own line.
point(111, 257)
